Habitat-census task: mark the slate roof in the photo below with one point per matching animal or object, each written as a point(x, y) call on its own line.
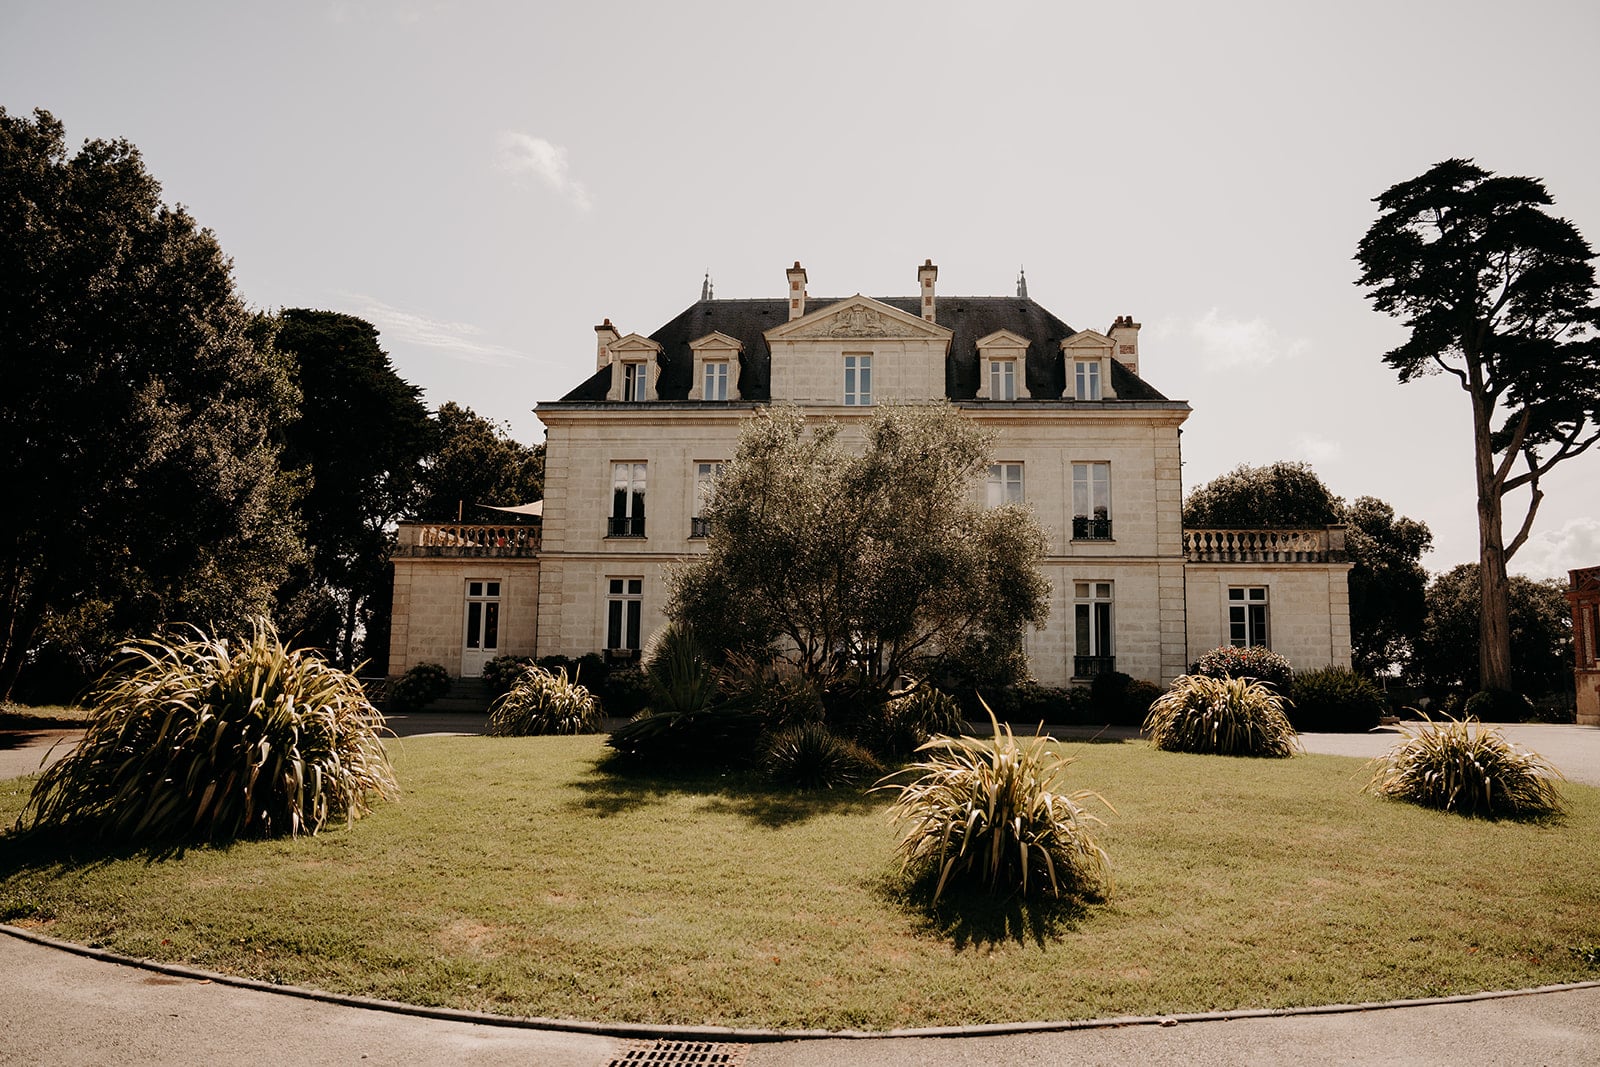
point(968, 317)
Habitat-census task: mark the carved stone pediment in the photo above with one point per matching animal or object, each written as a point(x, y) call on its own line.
point(857, 317)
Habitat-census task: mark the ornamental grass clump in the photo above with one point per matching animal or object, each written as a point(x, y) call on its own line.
point(983, 813)
point(544, 702)
point(211, 739)
point(1225, 716)
point(1461, 766)
point(811, 756)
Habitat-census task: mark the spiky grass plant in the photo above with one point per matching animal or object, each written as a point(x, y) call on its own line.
point(1460, 765)
point(1225, 716)
point(212, 739)
point(544, 702)
point(983, 812)
point(811, 756)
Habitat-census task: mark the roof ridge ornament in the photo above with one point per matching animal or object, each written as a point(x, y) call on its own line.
point(1022, 284)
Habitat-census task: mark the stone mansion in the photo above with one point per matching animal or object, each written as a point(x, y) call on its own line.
point(1080, 436)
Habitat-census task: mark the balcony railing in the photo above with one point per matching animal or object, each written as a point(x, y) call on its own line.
point(1265, 546)
point(626, 526)
point(1087, 529)
point(461, 539)
point(1092, 666)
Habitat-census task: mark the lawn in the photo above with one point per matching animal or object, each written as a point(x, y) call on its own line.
point(516, 877)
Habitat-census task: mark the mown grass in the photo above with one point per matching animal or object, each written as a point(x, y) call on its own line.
point(42, 716)
point(514, 876)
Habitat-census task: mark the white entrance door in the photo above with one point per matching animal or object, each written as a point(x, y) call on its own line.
point(482, 640)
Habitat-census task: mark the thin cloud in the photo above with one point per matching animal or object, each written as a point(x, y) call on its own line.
point(1552, 553)
point(1318, 449)
point(1227, 342)
point(461, 339)
point(524, 156)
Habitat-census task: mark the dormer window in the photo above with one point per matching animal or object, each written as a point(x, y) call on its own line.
point(1086, 379)
point(715, 385)
point(1002, 366)
point(634, 377)
point(716, 368)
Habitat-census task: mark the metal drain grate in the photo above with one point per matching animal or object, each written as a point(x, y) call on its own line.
point(677, 1053)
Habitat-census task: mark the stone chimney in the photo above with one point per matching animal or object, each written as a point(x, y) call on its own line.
point(1124, 334)
point(797, 290)
point(925, 276)
point(604, 335)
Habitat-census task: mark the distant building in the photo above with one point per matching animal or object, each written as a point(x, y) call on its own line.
point(1583, 593)
point(632, 452)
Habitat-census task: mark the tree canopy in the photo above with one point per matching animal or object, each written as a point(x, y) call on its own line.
point(1385, 549)
point(475, 461)
point(359, 440)
point(140, 408)
point(1541, 633)
point(1497, 293)
point(866, 563)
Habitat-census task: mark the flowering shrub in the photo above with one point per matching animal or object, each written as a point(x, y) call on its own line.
point(1257, 661)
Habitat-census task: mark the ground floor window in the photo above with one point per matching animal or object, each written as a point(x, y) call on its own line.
point(624, 607)
point(483, 616)
point(1247, 616)
point(1092, 617)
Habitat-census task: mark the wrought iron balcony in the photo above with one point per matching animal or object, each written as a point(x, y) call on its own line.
point(1087, 529)
point(626, 526)
point(1092, 666)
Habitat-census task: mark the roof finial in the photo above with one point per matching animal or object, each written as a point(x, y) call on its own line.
point(1022, 284)
point(705, 287)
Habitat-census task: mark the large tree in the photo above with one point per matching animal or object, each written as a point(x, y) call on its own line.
point(1497, 293)
point(1540, 626)
point(476, 461)
point(1385, 549)
point(139, 405)
point(360, 439)
point(865, 562)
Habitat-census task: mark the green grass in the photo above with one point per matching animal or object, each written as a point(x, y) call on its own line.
point(513, 876)
point(42, 717)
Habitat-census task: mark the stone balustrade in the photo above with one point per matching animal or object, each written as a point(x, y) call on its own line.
point(1325, 545)
point(461, 540)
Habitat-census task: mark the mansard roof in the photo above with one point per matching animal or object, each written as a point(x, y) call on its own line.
point(969, 318)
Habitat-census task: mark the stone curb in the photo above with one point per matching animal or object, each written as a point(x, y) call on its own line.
point(734, 1034)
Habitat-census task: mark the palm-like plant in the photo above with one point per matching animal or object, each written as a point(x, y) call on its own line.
point(983, 811)
point(1459, 765)
point(215, 740)
point(1226, 716)
point(544, 702)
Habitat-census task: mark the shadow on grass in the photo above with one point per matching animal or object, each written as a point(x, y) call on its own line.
point(41, 851)
point(974, 919)
point(616, 787)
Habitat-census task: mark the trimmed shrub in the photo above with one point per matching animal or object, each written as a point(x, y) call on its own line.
point(212, 739)
point(721, 736)
point(1046, 703)
point(1257, 662)
point(1335, 700)
point(544, 702)
point(623, 691)
point(813, 757)
point(500, 672)
point(418, 687)
point(1225, 716)
point(1462, 766)
point(982, 813)
point(1498, 705)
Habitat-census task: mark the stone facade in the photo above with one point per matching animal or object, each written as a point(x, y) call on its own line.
point(1583, 593)
point(1079, 435)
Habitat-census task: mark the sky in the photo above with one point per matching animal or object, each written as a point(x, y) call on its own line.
point(485, 182)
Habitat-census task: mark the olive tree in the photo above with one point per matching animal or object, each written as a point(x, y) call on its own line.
point(865, 562)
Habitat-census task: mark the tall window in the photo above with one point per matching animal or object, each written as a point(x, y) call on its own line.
point(624, 605)
point(1005, 484)
point(1247, 616)
point(483, 616)
point(1092, 614)
point(627, 500)
point(857, 381)
point(705, 480)
point(1002, 379)
point(633, 380)
point(715, 386)
point(1091, 501)
point(1087, 379)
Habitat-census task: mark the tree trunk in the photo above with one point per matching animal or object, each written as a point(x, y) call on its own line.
point(1494, 624)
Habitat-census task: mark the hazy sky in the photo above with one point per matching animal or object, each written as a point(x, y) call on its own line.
point(486, 181)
